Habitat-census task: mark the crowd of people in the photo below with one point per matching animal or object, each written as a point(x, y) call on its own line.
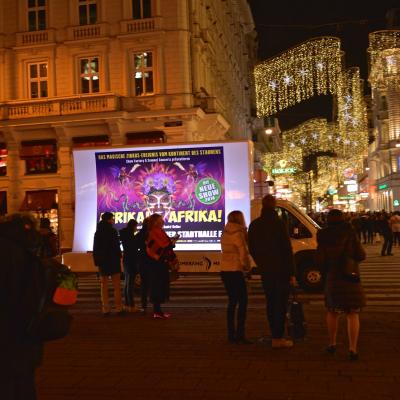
point(149, 254)
point(371, 227)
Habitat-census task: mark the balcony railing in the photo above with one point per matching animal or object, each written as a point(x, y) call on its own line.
point(35, 37)
point(141, 25)
point(56, 107)
point(85, 32)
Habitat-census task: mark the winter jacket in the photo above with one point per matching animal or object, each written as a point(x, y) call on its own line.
point(395, 223)
point(158, 244)
point(235, 254)
point(22, 283)
point(106, 249)
point(334, 242)
point(130, 246)
point(270, 245)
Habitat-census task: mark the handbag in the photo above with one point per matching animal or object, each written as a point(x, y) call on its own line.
point(296, 324)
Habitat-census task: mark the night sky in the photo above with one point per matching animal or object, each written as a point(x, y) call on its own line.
point(283, 24)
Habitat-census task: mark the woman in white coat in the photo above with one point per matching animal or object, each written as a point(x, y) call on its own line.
point(235, 262)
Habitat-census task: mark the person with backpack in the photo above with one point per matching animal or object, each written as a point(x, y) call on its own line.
point(130, 262)
point(107, 257)
point(27, 315)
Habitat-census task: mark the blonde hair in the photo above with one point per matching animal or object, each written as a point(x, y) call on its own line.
point(237, 217)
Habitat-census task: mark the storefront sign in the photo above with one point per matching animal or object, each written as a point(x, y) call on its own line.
point(384, 186)
point(280, 171)
point(396, 203)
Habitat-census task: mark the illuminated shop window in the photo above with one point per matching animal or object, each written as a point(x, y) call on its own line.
point(38, 80)
point(87, 12)
point(40, 156)
point(3, 159)
point(141, 9)
point(36, 15)
point(143, 73)
point(89, 75)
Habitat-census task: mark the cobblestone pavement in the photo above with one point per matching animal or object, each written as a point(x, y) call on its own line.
point(187, 357)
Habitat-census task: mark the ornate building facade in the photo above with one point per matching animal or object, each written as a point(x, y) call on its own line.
point(384, 152)
point(95, 73)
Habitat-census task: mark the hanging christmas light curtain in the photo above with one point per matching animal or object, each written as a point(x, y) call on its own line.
point(312, 68)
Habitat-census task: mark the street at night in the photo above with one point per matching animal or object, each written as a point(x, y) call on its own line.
point(187, 356)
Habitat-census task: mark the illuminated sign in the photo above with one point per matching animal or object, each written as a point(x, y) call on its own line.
point(384, 186)
point(396, 203)
point(280, 171)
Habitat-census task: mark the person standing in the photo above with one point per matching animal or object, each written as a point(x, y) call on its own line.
point(21, 289)
point(235, 262)
point(271, 249)
point(107, 257)
point(343, 293)
point(143, 265)
point(47, 247)
point(130, 261)
point(387, 234)
point(395, 225)
point(157, 245)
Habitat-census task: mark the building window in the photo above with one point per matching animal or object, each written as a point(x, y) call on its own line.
point(36, 15)
point(89, 75)
point(3, 159)
point(136, 138)
point(141, 9)
point(40, 156)
point(38, 76)
point(87, 12)
point(91, 141)
point(143, 73)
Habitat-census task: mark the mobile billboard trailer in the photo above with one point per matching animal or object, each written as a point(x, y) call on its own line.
point(193, 186)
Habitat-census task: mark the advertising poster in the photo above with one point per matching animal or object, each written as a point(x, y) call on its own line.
point(185, 185)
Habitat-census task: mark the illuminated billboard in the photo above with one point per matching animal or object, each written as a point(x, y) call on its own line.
point(192, 186)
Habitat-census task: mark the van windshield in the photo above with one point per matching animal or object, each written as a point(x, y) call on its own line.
point(310, 220)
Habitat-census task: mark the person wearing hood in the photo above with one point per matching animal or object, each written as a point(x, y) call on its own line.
point(107, 257)
point(271, 249)
point(235, 262)
point(343, 292)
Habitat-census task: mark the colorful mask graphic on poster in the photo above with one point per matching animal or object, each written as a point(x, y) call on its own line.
point(185, 186)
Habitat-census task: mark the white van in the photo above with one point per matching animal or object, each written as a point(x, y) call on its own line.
point(303, 233)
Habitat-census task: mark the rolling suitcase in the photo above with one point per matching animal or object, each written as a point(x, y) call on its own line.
point(296, 324)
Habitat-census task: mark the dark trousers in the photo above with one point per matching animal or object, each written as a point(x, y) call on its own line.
point(144, 284)
point(387, 244)
point(277, 294)
point(129, 288)
point(370, 235)
point(396, 238)
point(236, 289)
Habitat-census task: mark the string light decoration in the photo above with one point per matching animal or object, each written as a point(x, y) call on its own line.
point(311, 68)
point(352, 116)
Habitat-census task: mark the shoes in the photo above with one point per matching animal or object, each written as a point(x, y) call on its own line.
point(390, 254)
point(106, 314)
point(243, 341)
point(131, 309)
point(161, 315)
point(353, 356)
point(231, 339)
point(331, 349)
point(281, 343)
point(121, 313)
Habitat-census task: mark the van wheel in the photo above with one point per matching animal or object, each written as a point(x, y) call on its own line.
point(311, 279)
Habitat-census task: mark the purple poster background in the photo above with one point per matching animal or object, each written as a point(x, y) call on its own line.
point(185, 186)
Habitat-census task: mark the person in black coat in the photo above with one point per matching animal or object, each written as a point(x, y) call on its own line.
point(271, 249)
point(22, 282)
point(130, 261)
point(337, 243)
point(386, 231)
point(107, 257)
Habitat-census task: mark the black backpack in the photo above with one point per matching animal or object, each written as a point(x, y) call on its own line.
point(296, 325)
